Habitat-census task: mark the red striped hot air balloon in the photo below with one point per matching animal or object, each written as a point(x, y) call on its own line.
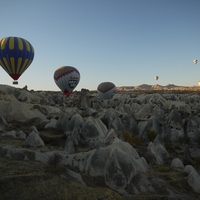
point(106, 90)
point(67, 78)
point(16, 55)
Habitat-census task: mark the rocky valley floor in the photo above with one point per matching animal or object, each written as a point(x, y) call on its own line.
point(139, 145)
point(25, 179)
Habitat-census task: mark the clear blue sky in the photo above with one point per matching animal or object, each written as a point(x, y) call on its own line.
point(126, 42)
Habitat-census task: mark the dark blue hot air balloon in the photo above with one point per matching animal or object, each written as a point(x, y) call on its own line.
point(16, 55)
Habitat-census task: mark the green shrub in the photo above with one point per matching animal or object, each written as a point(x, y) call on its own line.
point(151, 134)
point(163, 168)
point(127, 136)
point(137, 140)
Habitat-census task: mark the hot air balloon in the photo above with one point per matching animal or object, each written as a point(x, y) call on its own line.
point(195, 61)
point(199, 83)
point(66, 78)
point(156, 78)
point(106, 90)
point(16, 55)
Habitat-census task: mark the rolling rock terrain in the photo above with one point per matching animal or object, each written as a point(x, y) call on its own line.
point(142, 144)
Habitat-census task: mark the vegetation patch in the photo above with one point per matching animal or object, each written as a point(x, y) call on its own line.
point(151, 134)
point(133, 140)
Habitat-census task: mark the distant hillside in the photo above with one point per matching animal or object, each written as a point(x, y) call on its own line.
point(157, 87)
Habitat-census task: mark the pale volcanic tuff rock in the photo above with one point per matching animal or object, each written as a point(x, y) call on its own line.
point(22, 105)
point(145, 111)
point(193, 178)
point(174, 127)
point(125, 108)
point(3, 124)
point(111, 119)
point(13, 134)
point(89, 135)
point(177, 163)
point(152, 99)
point(74, 128)
point(93, 132)
point(152, 125)
point(62, 123)
point(156, 153)
point(129, 123)
point(192, 128)
point(33, 139)
point(22, 112)
point(118, 163)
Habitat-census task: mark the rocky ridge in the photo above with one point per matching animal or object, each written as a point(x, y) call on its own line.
point(141, 145)
point(147, 87)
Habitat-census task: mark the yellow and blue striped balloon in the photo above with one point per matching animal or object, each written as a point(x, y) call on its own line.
point(16, 55)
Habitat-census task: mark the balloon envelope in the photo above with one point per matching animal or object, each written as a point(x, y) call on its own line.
point(156, 78)
point(195, 61)
point(106, 90)
point(67, 78)
point(16, 55)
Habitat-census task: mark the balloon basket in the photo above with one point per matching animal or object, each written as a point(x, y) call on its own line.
point(15, 82)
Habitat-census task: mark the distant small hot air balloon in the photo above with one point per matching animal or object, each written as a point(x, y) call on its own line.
point(106, 90)
point(156, 78)
point(195, 61)
point(67, 78)
point(199, 83)
point(16, 55)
